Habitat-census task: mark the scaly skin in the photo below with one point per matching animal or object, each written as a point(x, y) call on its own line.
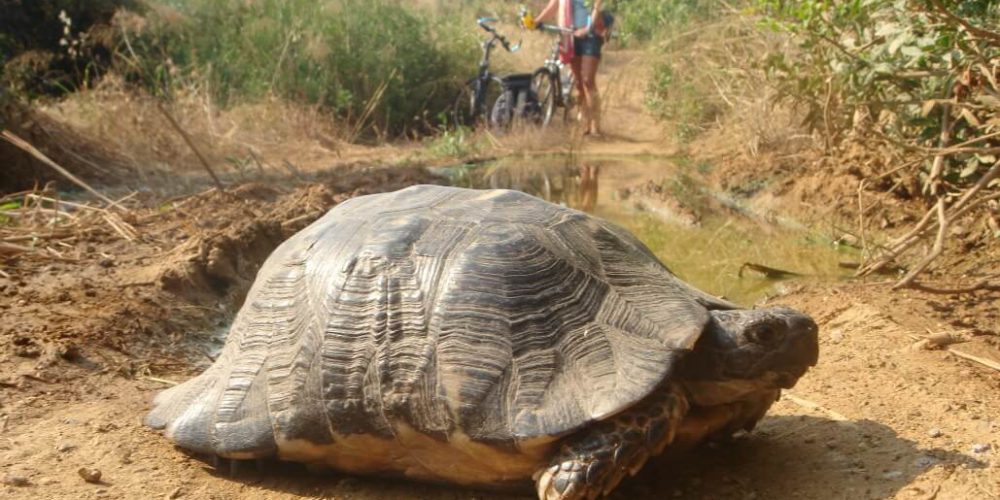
point(594, 462)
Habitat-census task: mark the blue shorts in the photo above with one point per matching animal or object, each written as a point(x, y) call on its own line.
point(589, 45)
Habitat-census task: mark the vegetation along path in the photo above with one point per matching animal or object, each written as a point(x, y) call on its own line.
point(736, 129)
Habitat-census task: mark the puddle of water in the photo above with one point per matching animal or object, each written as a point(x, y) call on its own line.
point(701, 236)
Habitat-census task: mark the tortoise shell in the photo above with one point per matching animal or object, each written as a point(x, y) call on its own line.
point(492, 314)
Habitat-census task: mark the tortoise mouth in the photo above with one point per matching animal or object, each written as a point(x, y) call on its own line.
point(706, 393)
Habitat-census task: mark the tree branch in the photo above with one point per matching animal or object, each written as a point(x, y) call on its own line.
point(971, 28)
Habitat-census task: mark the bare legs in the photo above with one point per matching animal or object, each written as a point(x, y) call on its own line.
point(585, 71)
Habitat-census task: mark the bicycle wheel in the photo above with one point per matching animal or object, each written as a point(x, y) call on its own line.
point(473, 104)
point(568, 86)
point(543, 84)
point(502, 111)
point(463, 111)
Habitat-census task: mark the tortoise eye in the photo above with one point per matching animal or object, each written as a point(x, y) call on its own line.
point(766, 335)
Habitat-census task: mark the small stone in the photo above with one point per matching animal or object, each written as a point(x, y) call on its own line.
point(90, 474)
point(106, 263)
point(925, 461)
point(981, 447)
point(175, 493)
point(16, 480)
point(935, 432)
point(893, 474)
point(64, 447)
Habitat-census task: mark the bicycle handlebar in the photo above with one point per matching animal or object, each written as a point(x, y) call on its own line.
point(553, 28)
point(484, 23)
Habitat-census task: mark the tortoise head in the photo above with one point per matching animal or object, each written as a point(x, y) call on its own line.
point(746, 351)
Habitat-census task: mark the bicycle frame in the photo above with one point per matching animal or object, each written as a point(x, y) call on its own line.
point(485, 76)
point(557, 68)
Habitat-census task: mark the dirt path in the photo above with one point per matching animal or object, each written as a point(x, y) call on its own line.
point(86, 344)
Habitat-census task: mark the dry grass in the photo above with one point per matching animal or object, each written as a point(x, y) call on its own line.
point(238, 141)
point(717, 71)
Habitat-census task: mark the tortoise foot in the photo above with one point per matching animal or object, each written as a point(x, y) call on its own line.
point(592, 463)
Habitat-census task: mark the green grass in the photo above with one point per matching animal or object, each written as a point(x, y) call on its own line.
point(381, 64)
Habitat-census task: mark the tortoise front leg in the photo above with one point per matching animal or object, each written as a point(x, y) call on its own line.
point(594, 461)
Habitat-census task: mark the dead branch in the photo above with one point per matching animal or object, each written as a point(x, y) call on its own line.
point(971, 28)
point(187, 139)
point(28, 148)
point(12, 249)
point(971, 357)
point(932, 184)
point(935, 250)
point(805, 403)
point(980, 285)
point(945, 217)
point(861, 221)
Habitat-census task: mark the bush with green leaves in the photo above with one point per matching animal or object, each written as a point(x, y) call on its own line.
point(917, 73)
point(645, 20)
point(916, 77)
point(383, 64)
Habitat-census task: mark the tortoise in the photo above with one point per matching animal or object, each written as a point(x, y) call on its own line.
point(485, 338)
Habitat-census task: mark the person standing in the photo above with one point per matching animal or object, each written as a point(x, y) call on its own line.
point(582, 51)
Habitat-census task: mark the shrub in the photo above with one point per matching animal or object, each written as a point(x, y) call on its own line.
point(379, 63)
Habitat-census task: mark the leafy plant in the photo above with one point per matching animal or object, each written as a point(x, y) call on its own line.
point(916, 77)
point(380, 64)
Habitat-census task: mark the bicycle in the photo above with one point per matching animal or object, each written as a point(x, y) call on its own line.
point(553, 83)
point(494, 99)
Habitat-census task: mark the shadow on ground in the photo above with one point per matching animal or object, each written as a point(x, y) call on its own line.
point(787, 457)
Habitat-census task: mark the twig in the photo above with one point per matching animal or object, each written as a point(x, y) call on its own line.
point(958, 148)
point(861, 221)
point(28, 148)
point(971, 357)
point(370, 107)
point(64, 202)
point(190, 143)
point(980, 285)
point(935, 250)
point(805, 403)
point(160, 380)
point(975, 30)
point(10, 248)
point(937, 167)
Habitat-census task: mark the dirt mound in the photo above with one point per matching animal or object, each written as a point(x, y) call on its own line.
point(74, 151)
point(223, 261)
point(143, 306)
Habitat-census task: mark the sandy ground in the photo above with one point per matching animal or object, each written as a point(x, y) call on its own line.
point(85, 344)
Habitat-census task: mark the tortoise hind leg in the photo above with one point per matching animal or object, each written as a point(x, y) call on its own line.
point(593, 462)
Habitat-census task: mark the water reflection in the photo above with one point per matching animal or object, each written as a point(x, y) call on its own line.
point(565, 184)
point(701, 239)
